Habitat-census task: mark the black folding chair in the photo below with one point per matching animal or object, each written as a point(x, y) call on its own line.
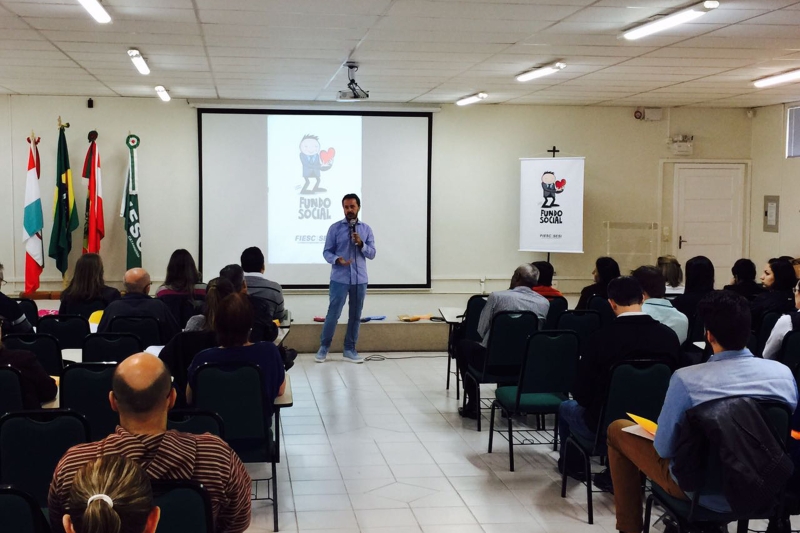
point(110, 347)
point(196, 421)
point(29, 309)
point(70, 330)
point(20, 513)
point(601, 305)
point(183, 307)
point(10, 390)
point(467, 329)
point(144, 327)
point(185, 506)
point(44, 346)
point(84, 389)
point(582, 322)
point(767, 323)
point(557, 306)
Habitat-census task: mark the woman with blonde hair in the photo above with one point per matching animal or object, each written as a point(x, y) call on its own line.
point(671, 268)
point(111, 495)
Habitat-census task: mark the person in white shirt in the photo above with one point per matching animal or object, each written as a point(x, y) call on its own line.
point(783, 326)
point(653, 290)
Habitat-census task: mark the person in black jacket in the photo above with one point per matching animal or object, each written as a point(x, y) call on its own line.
point(605, 269)
point(744, 280)
point(699, 282)
point(37, 386)
point(87, 292)
point(778, 279)
point(632, 335)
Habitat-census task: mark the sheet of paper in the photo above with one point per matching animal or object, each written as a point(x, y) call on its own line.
point(636, 429)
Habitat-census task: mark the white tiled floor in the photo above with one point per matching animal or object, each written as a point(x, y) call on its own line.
point(380, 447)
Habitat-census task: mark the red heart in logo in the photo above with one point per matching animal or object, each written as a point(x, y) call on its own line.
point(560, 184)
point(326, 155)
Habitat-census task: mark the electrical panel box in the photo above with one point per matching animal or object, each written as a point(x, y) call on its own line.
point(772, 213)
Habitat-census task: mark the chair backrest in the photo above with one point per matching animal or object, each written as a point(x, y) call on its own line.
point(32, 443)
point(557, 306)
point(20, 513)
point(144, 327)
point(601, 305)
point(550, 364)
point(790, 351)
point(185, 506)
point(10, 390)
point(179, 353)
point(235, 393)
point(84, 388)
point(767, 323)
point(182, 306)
point(583, 322)
point(196, 421)
point(110, 347)
point(696, 330)
point(508, 338)
point(70, 330)
point(637, 387)
point(29, 309)
point(472, 316)
point(44, 346)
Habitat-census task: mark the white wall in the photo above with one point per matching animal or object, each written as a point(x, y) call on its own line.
point(475, 184)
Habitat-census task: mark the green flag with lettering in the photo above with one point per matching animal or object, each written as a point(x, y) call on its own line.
point(129, 210)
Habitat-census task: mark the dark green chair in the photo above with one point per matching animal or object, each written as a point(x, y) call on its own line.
point(70, 330)
point(32, 443)
point(144, 327)
point(10, 390)
point(20, 513)
point(44, 346)
point(110, 347)
point(767, 323)
point(196, 421)
point(689, 514)
point(29, 309)
point(557, 306)
point(582, 322)
point(790, 351)
point(84, 388)
point(636, 386)
point(548, 374)
point(508, 337)
point(235, 393)
point(469, 331)
point(601, 305)
point(185, 506)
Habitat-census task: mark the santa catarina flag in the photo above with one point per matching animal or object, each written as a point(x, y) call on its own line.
point(129, 210)
point(32, 220)
point(94, 227)
point(65, 214)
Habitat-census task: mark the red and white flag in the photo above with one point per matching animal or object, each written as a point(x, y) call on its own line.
point(33, 221)
point(94, 228)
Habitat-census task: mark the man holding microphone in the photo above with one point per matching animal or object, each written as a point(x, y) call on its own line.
point(348, 245)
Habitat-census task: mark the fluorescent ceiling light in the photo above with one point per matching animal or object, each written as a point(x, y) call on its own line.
point(96, 11)
point(162, 93)
point(472, 99)
point(138, 61)
point(670, 21)
point(541, 71)
point(786, 77)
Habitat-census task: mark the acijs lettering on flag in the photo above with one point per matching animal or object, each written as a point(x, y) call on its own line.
point(129, 210)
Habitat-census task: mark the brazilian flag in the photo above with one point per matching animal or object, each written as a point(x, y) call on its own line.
point(65, 214)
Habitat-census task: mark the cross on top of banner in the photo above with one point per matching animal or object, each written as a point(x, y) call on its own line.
point(553, 150)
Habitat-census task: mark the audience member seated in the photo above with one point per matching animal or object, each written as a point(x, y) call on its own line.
point(37, 386)
point(182, 279)
point(778, 280)
point(605, 269)
point(545, 284)
point(632, 335)
point(744, 280)
point(218, 289)
point(520, 297)
point(137, 302)
point(699, 282)
point(264, 329)
point(10, 313)
point(111, 495)
point(87, 292)
point(234, 321)
point(142, 395)
point(796, 265)
point(262, 291)
point(784, 325)
point(731, 371)
point(653, 286)
point(671, 269)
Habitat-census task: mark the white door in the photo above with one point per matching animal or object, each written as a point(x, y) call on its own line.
point(708, 215)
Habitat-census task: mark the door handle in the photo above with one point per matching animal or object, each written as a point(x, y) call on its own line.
point(681, 240)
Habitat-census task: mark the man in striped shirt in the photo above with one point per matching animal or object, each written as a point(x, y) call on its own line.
point(142, 395)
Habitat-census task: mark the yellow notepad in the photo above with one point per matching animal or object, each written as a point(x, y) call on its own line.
point(647, 425)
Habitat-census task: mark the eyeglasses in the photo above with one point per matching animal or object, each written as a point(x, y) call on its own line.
point(795, 290)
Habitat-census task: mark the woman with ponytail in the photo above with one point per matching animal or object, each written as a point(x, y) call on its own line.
point(111, 495)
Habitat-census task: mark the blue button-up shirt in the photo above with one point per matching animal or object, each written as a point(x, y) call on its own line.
point(726, 374)
point(339, 243)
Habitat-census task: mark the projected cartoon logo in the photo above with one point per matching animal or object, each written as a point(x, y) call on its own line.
point(314, 161)
point(551, 186)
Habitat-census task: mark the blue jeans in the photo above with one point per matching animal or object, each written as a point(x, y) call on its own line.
point(338, 293)
point(570, 420)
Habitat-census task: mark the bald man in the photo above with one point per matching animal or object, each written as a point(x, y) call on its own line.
point(137, 302)
point(142, 394)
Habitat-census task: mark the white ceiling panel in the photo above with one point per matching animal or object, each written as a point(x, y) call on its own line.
point(324, 7)
point(481, 10)
point(461, 24)
point(140, 39)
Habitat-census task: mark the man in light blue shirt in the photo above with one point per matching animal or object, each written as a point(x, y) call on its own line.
point(348, 245)
point(654, 286)
point(731, 371)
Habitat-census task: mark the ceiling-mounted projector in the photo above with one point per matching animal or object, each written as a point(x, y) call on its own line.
point(353, 92)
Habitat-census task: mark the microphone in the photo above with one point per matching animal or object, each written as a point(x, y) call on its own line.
point(352, 223)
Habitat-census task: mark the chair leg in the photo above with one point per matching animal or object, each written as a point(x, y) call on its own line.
point(742, 526)
point(449, 362)
point(458, 383)
point(491, 426)
point(275, 495)
point(648, 509)
point(555, 434)
point(587, 469)
point(564, 469)
point(464, 399)
point(478, 402)
point(510, 443)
